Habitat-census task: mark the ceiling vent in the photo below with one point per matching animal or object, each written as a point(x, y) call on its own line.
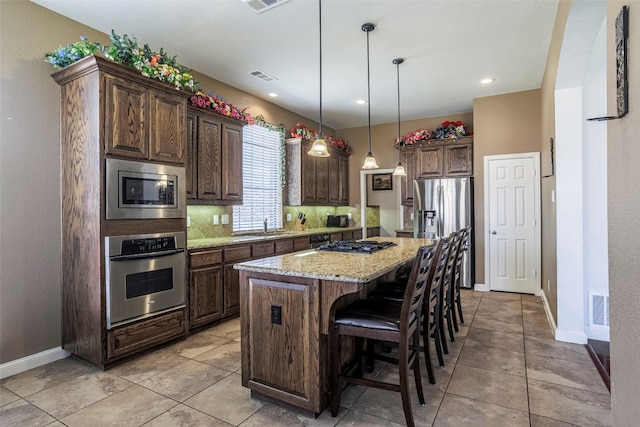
point(260, 6)
point(262, 76)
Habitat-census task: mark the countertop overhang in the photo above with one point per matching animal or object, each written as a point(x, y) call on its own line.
point(340, 266)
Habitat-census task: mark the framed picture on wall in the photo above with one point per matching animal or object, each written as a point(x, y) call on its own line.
point(382, 181)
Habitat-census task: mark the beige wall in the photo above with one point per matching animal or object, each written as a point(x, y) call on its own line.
point(30, 173)
point(503, 124)
point(624, 226)
point(548, 209)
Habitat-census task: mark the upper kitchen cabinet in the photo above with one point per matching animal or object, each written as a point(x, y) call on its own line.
point(435, 159)
point(214, 165)
point(312, 180)
point(142, 122)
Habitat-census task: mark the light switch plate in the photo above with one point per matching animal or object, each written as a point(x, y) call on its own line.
point(216, 219)
point(188, 221)
point(288, 217)
point(225, 219)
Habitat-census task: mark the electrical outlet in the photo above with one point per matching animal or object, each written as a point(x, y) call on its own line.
point(411, 216)
point(216, 219)
point(276, 314)
point(548, 285)
point(348, 215)
point(188, 221)
point(288, 217)
point(225, 219)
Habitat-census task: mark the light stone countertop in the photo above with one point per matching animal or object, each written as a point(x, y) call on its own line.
point(340, 266)
point(249, 238)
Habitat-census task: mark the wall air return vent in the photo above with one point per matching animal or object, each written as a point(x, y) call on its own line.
point(598, 309)
point(260, 6)
point(262, 76)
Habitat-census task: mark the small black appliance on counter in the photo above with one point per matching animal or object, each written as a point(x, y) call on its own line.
point(337, 221)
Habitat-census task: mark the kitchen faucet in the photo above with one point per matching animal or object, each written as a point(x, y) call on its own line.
point(266, 220)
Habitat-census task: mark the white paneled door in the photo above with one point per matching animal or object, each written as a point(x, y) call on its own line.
point(512, 189)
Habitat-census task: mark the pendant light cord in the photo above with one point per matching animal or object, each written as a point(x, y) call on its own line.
point(320, 42)
point(368, 92)
point(398, 62)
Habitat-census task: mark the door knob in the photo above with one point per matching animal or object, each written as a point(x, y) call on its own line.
point(493, 232)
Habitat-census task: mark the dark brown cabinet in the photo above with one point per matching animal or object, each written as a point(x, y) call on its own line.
point(319, 181)
point(214, 285)
point(214, 166)
point(406, 183)
point(429, 162)
point(110, 110)
point(143, 123)
point(458, 160)
point(435, 159)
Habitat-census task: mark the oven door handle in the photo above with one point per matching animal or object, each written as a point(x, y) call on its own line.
point(146, 255)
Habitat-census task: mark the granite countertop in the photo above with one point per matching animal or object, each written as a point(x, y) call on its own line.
point(249, 238)
point(341, 266)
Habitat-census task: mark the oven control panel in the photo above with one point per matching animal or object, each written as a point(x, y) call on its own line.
point(139, 246)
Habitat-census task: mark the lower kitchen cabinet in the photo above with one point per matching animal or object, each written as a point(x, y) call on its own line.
point(405, 234)
point(214, 285)
point(373, 231)
point(128, 339)
point(206, 287)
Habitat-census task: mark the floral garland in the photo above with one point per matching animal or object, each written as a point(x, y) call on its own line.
point(125, 50)
point(199, 99)
point(302, 131)
point(260, 121)
point(446, 130)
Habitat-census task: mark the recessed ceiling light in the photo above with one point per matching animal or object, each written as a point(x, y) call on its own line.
point(273, 94)
point(487, 81)
point(361, 101)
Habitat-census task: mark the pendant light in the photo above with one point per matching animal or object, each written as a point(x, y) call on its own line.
point(319, 147)
point(399, 170)
point(369, 161)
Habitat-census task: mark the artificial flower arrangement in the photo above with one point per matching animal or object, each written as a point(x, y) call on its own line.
point(199, 99)
point(155, 65)
point(451, 130)
point(446, 130)
point(125, 50)
point(302, 131)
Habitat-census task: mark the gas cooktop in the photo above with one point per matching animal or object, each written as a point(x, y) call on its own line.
point(352, 246)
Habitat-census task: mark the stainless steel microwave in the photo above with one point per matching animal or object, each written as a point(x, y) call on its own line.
point(139, 190)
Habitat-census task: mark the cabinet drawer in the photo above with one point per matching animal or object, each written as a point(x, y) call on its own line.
point(284, 246)
point(198, 259)
point(334, 237)
point(262, 249)
point(138, 336)
point(301, 244)
point(237, 253)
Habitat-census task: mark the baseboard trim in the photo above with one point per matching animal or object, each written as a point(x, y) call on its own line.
point(32, 361)
point(547, 311)
point(576, 337)
point(481, 287)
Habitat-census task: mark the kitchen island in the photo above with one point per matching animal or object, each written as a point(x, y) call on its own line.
point(287, 306)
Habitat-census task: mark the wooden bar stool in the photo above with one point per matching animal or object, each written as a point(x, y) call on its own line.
point(446, 294)
point(456, 278)
point(387, 321)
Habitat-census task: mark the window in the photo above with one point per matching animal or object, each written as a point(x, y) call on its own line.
point(262, 180)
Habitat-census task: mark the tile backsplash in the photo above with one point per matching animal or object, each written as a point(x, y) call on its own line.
point(202, 224)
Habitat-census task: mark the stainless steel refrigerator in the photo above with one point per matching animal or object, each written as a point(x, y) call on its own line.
point(442, 206)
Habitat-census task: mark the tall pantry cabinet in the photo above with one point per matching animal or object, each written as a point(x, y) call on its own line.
point(110, 110)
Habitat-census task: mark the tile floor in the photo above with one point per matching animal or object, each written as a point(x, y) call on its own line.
point(504, 369)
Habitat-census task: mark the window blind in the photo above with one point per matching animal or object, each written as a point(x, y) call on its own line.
point(261, 174)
